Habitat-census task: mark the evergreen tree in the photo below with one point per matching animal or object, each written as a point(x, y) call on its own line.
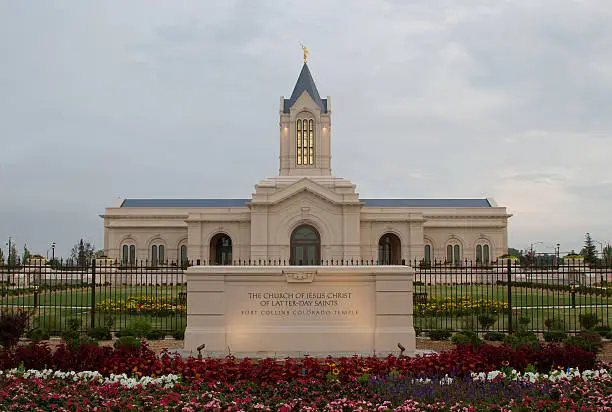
point(1, 256)
point(82, 253)
point(607, 255)
point(589, 251)
point(13, 259)
point(25, 259)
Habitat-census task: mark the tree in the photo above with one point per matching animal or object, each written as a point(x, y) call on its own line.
point(1, 256)
point(589, 251)
point(25, 259)
point(82, 253)
point(99, 254)
point(607, 255)
point(13, 259)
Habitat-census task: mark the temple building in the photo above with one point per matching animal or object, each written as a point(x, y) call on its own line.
point(305, 215)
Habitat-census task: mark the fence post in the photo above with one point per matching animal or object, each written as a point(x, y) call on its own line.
point(93, 293)
point(509, 267)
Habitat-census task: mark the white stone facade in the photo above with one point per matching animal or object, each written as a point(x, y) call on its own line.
point(305, 193)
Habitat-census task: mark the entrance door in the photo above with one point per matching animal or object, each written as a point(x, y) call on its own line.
point(305, 246)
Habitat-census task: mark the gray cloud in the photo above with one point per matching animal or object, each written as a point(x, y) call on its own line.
point(430, 99)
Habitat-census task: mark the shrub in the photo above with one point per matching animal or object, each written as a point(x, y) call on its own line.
point(418, 330)
point(13, 325)
point(125, 332)
point(128, 342)
point(523, 323)
point(155, 334)
point(72, 336)
point(486, 320)
point(584, 342)
point(466, 338)
point(495, 336)
point(588, 320)
point(38, 334)
point(100, 333)
point(141, 327)
point(555, 336)
point(603, 330)
point(179, 334)
point(440, 334)
point(521, 339)
point(609, 335)
point(554, 324)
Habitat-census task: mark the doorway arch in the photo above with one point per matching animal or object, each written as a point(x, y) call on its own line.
point(389, 249)
point(305, 246)
point(221, 249)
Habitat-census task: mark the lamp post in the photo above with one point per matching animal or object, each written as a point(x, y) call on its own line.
point(557, 254)
point(531, 253)
point(8, 259)
point(52, 251)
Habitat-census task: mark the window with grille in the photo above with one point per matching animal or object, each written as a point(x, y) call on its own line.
point(304, 132)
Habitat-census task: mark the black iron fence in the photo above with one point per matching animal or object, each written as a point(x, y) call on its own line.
point(500, 296)
point(504, 296)
point(102, 293)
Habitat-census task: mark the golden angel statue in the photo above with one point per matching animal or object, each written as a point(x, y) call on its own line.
point(305, 50)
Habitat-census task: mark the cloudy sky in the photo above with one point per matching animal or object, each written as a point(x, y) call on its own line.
point(439, 98)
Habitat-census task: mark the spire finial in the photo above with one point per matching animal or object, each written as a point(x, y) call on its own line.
point(305, 50)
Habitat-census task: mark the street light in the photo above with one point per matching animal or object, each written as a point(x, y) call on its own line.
point(8, 259)
point(534, 243)
point(52, 251)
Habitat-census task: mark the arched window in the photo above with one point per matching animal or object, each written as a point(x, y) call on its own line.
point(128, 255)
point(304, 141)
point(220, 249)
point(183, 254)
point(305, 246)
point(482, 254)
point(389, 250)
point(453, 254)
point(158, 255)
point(428, 254)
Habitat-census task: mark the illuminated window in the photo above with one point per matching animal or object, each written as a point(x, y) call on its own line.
point(304, 141)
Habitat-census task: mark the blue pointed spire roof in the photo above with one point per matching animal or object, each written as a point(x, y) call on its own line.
point(305, 83)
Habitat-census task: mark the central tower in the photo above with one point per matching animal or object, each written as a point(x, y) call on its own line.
point(305, 130)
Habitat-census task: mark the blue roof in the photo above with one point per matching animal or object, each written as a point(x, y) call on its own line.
point(426, 202)
point(305, 82)
point(185, 202)
point(367, 202)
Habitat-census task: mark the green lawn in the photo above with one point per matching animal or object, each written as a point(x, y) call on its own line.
point(55, 307)
point(520, 296)
point(82, 297)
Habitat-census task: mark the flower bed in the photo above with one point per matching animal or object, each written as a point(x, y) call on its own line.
point(142, 305)
point(458, 306)
point(498, 390)
point(485, 378)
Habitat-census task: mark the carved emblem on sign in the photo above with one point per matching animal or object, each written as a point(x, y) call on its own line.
point(299, 277)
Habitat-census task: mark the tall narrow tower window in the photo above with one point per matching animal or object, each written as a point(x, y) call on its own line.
point(304, 134)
